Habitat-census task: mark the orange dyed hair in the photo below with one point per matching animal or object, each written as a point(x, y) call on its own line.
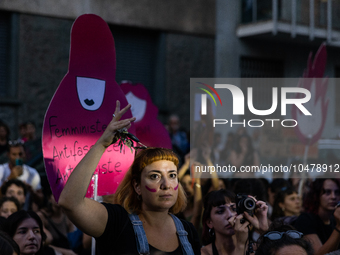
point(126, 195)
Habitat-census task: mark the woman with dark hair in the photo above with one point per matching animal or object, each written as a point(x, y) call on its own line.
point(15, 188)
point(283, 239)
point(225, 232)
point(321, 222)
point(8, 206)
point(287, 205)
point(57, 224)
point(26, 229)
point(193, 210)
point(7, 245)
point(143, 219)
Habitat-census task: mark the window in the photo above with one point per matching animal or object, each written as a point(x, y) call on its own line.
point(136, 56)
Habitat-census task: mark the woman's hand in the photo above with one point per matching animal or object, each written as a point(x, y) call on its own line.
point(89, 215)
point(108, 136)
point(337, 217)
point(259, 220)
point(241, 230)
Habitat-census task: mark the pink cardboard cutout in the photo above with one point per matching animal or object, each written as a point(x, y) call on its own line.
point(81, 108)
point(149, 130)
point(310, 128)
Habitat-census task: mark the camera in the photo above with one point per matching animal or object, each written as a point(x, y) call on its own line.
point(244, 203)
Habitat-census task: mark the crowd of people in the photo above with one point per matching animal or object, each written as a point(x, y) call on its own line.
point(162, 208)
point(31, 222)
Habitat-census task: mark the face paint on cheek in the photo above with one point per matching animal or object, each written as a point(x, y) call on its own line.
point(151, 190)
point(176, 187)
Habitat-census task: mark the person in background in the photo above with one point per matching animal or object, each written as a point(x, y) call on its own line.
point(320, 223)
point(255, 188)
point(23, 132)
point(225, 232)
point(33, 148)
point(7, 245)
point(192, 188)
point(8, 206)
point(15, 188)
point(274, 187)
point(16, 169)
point(193, 210)
point(178, 137)
point(30, 131)
point(57, 223)
point(287, 206)
point(283, 239)
point(25, 227)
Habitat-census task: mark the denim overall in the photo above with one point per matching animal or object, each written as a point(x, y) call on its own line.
point(142, 242)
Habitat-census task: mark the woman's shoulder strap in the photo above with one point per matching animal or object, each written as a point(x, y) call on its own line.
point(141, 240)
point(183, 236)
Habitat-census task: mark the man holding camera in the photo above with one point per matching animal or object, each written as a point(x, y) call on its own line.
point(15, 169)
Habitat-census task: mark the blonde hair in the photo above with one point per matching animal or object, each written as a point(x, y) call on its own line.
point(126, 195)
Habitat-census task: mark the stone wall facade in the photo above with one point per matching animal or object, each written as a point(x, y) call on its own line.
point(43, 41)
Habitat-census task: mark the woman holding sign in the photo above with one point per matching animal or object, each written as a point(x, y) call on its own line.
point(142, 221)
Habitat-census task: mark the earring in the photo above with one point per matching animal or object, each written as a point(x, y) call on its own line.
point(283, 209)
point(139, 197)
point(211, 232)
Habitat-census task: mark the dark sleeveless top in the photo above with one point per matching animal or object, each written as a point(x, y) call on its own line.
point(215, 252)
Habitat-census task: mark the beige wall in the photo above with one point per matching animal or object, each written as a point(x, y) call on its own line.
point(189, 16)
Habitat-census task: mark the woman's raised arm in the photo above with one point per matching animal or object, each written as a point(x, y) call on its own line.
point(87, 214)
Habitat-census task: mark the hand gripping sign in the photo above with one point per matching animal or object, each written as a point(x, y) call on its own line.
point(148, 128)
point(82, 107)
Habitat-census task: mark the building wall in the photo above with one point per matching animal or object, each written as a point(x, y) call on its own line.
point(186, 49)
point(187, 57)
point(190, 16)
point(43, 62)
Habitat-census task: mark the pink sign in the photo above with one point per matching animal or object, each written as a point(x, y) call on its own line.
point(81, 108)
point(149, 130)
point(310, 128)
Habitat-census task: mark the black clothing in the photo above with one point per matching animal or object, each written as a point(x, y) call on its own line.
point(3, 148)
point(309, 223)
point(119, 237)
point(214, 249)
point(47, 250)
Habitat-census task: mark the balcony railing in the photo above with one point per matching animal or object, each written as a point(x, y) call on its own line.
point(315, 15)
